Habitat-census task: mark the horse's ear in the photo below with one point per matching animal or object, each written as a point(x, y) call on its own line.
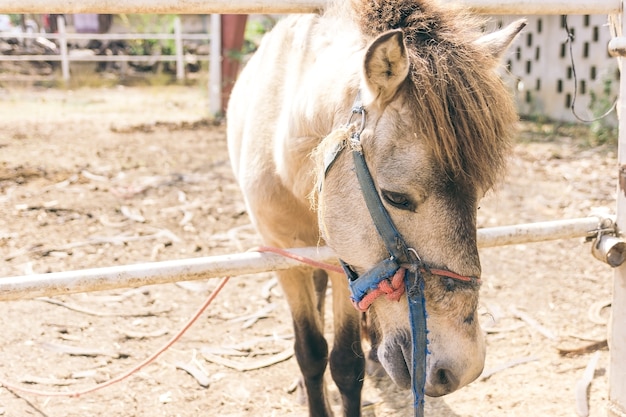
point(386, 65)
point(498, 42)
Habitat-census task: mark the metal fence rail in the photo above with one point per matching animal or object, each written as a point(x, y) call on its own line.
point(291, 6)
point(97, 279)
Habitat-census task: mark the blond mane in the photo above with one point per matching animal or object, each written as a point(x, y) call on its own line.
point(460, 104)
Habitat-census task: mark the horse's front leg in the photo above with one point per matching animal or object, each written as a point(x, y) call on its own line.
point(347, 363)
point(311, 349)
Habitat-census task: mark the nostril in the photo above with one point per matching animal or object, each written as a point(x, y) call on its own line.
point(442, 377)
point(445, 382)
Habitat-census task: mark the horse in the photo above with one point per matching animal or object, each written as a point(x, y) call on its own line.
point(418, 84)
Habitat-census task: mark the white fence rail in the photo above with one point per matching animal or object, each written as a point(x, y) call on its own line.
point(525, 7)
point(97, 279)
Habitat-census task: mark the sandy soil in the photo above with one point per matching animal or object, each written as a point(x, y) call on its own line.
point(101, 177)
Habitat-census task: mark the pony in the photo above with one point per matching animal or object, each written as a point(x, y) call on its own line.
point(435, 129)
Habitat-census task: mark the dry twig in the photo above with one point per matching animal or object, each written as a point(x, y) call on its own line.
point(132, 214)
point(89, 312)
point(257, 364)
point(129, 334)
point(197, 373)
point(250, 319)
point(266, 289)
point(115, 240)
point(26, 400)
point(94, 177)
point(249, 344)
point(487, 373)
point(194, 286)
point(80, 351)
point(115, 298)
point(582, 386)
point(525, 317)
point(225, 351)
point(511, 328)
point(32, 379)
point(595, 312)
point(104, 220)
point(581, 350)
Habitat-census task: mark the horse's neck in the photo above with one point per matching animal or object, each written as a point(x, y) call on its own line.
point(317, 100)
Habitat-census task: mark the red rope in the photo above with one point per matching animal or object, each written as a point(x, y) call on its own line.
point(136, 368)
point(453, 275)
point(299, 258)
point(393, 289)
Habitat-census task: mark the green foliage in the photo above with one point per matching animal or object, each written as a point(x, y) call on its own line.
point(602, 129)
point(150, 24)
point(255, 29)
point(16, 19)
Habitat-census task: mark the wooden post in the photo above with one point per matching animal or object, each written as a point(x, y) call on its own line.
point(233, 29)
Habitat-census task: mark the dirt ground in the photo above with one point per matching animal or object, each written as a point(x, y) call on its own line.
point(103, 177)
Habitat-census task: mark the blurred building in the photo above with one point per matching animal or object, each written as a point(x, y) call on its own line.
point(541, 70)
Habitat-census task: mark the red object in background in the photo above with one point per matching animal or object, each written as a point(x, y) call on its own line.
point(50, 22)
point(233, 28)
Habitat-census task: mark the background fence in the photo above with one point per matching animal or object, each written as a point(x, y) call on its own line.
point(65, 56)
point(543, 90)
point(545, 82)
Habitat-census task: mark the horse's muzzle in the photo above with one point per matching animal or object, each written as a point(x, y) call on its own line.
point(440, 381)
point(395, 356)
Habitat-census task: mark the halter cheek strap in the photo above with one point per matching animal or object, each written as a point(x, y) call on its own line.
point(401, 272)
point(366, 288)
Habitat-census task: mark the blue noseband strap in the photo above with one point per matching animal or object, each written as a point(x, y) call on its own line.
point(361, 285)
point(400, 256)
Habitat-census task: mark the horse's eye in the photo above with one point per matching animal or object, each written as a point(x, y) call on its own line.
point(398, 200)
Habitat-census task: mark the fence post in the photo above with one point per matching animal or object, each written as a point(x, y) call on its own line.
point(65, 62)
point(617, 366)
point(178, 46)
point(215, 67)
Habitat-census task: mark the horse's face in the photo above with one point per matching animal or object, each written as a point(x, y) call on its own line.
point(435, 213)
point(437, 218)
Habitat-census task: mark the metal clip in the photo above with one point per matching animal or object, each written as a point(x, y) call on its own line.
point(357, 108)
point(607, 247)
point(355, 138)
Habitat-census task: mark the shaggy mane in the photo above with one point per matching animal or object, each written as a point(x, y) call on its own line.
point(460, 104)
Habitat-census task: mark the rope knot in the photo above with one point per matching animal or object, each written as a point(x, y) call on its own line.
point(392, 288)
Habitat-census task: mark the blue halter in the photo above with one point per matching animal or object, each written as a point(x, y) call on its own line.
point(400, 256)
